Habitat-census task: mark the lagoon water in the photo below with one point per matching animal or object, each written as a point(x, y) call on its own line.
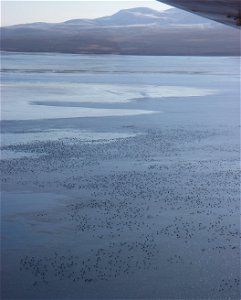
point(120, 177)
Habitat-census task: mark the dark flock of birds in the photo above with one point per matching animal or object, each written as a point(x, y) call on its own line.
point(118, 259)
point(140, 199)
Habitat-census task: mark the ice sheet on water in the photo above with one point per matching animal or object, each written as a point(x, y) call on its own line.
point(20, 99)
point(99, 93)
point(25, 111)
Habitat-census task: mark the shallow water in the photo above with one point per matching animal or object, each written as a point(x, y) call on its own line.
point(120, 177)
point(65, 136)
point(81, 135)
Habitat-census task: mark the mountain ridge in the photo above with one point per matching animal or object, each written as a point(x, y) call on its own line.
point(137, 31)
point(143, 15)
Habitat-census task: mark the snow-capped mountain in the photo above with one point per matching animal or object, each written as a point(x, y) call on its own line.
point(130, 31)
point(134, 16)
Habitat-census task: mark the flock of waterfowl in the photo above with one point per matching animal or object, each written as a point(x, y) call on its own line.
point(139, 204)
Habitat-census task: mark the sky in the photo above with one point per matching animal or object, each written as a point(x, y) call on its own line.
point(21, 12)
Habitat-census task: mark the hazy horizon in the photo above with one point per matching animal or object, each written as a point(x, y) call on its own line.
point(23, 12)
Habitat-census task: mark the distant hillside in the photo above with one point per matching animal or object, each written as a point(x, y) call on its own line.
point(138, 31)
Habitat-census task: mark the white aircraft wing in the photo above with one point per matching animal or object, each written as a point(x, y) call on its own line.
point(224, 11)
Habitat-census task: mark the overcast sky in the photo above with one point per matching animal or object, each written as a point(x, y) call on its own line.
point(19, 12)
